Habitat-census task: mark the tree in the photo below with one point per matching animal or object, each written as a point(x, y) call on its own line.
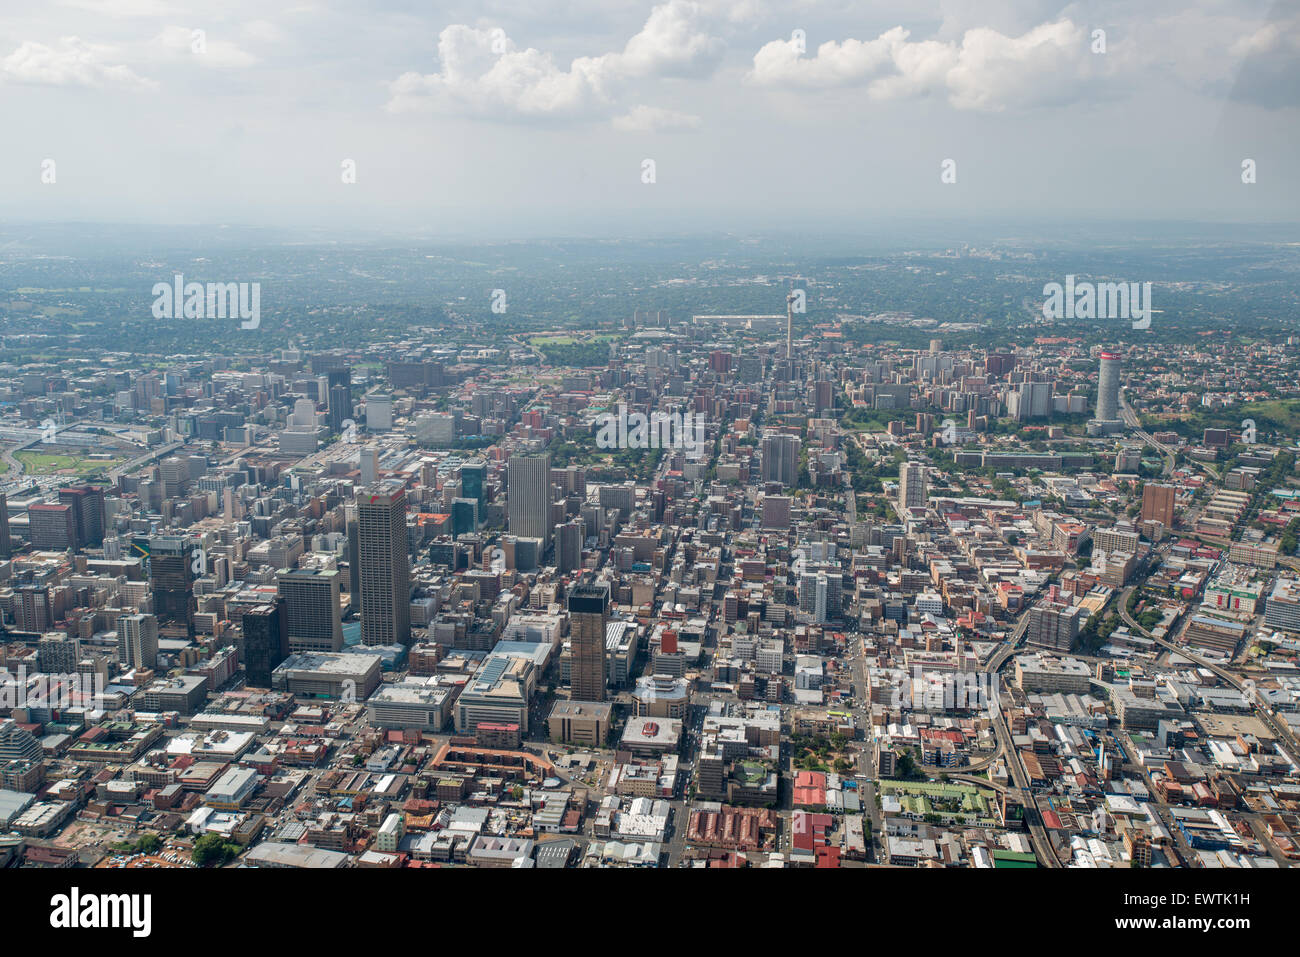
point(211, 851)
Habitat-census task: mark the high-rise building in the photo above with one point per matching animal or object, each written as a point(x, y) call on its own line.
point(17, 743)
point(529, 497)
point(379, 413)
point(33, 608)
point(1053, 625)
point(776, 511)
point(588, 615)
point(58, 654)
point(174, 473)
point(312, 609)
point(266, 644)
point(6, 542)
point(1108, 387)
point(369, 464)
point(1031, 400)
point(137, 641)
point(385, 562)
point(339, 397)
point(171, 576)
point(1158, 503)
point(51, 527)
point(473, 476)
point(568, 546)
point(814, 596)
point(354, 557)
point(911, 485)
point(87, 504)
point(780, 459)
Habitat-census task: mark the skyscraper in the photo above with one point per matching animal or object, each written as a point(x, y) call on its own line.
point(529, 497)
point(312, 608)
point(472, 477)
point(265, 642)
point(1158, 503)
point(339, 397)
point(171, 576)
point(780, 459)
point(568, 546)
point(87, 504)
point(1108, 387)
point(911, 485)
point(51, 527)
point(588, 615)
point(385, 571)
point(137, 641)
point(6, 543)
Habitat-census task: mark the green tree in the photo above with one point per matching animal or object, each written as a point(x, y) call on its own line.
point(211, 851)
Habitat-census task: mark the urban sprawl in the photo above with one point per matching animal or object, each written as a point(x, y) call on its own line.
point(404, 605)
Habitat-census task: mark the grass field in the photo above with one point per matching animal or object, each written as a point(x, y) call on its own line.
point(53, 463)
point(540, 341)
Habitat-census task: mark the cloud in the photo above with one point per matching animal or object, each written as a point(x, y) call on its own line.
point(985, 70)
point(71, 63)
point(123, 8)
point(215, 51)
point(1268, 73)
point(484, 73)
point(655, 119)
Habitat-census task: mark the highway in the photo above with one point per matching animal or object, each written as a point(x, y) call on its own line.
point(1131, 419)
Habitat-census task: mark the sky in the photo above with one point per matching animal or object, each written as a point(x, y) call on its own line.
point(506, 118)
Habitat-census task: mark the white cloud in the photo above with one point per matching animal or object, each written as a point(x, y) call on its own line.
point(124, 8)
point(655, 119)
point(72, 62)
point(217, 52)
point(485, 73)
point(985, 70)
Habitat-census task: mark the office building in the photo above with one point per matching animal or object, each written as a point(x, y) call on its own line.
point(339, 384)
point(87, 504)
point(51, 527)
point(312, 608)
point(385, 573)
point(1053, 625)
point(529, 497)
point(780, 459)
point(171, 575)
point(568, 546)
point(588, 615)
point(137, 641)
point(1282, 610)
point(6, 542)
point(1158, 504)
point(266, 644)
point(379, 413)
point(473, 478)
